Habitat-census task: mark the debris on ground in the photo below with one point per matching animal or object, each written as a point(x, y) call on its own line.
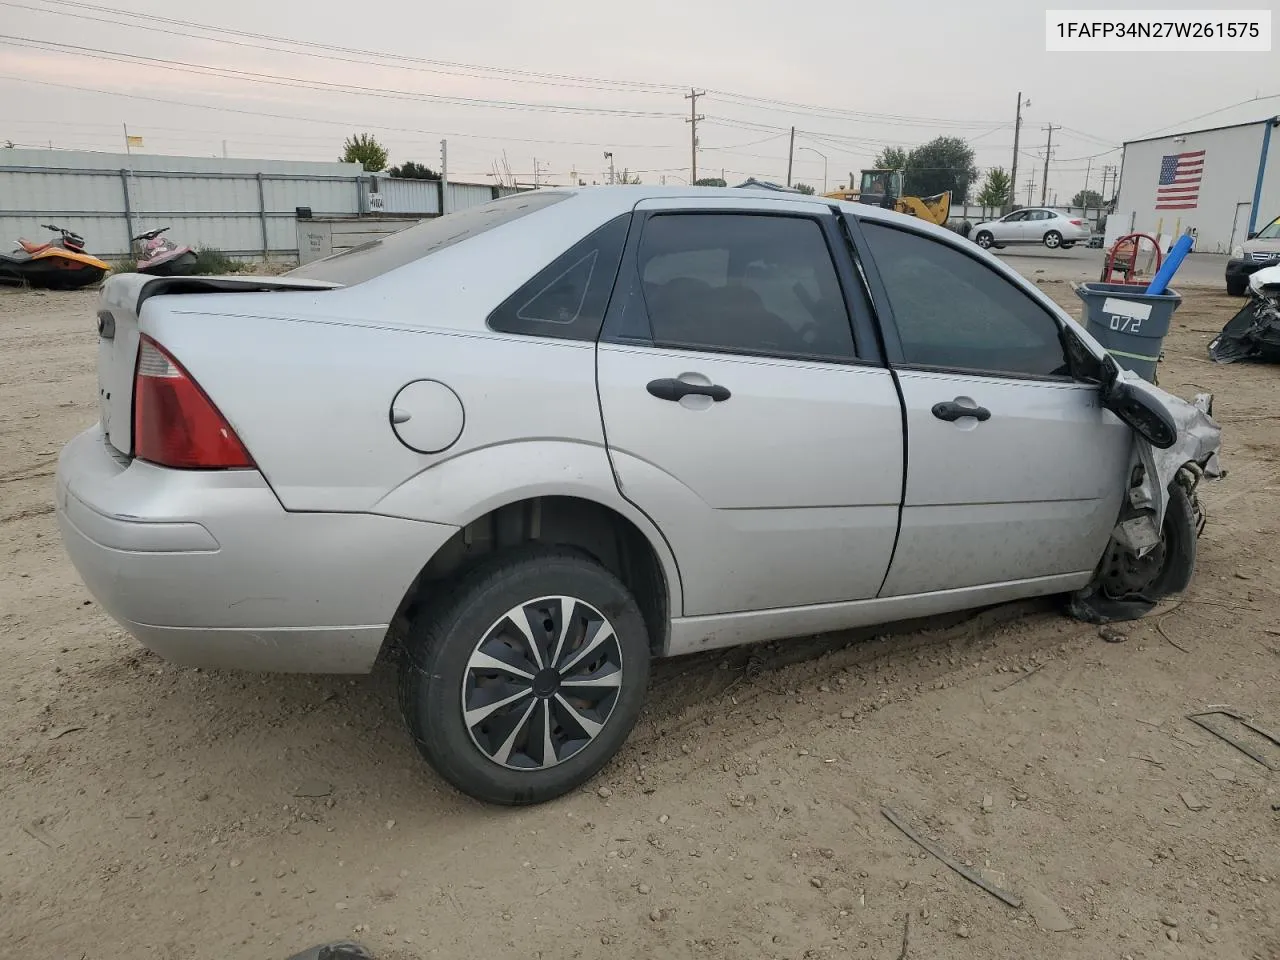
point(1011, 899)
point(1236, 741)
point(337, 950)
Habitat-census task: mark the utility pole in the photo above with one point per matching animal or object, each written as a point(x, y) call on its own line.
point(692, 96)
point(127, 148)
point(444, 177)
point(608, 155)
point(1048, 152)
point(1013, 172)
point(224, 149)
point(1031, 187)
point(791, 153)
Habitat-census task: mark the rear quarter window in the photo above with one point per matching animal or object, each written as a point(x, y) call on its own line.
point(373, 259)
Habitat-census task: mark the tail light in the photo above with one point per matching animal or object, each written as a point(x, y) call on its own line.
point(174, 423)
point(1078, 223)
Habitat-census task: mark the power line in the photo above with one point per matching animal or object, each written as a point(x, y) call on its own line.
point(438, 66)
point(339, 123)
point(1201, 116)
point(363, 56)
point(297, 83)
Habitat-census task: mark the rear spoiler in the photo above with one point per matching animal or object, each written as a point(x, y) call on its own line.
point(144, 287)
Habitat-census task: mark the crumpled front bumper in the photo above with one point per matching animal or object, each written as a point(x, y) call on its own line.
point(1197, 450)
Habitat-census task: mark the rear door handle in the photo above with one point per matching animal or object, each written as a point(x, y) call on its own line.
point(669, 388)
point(952, 410)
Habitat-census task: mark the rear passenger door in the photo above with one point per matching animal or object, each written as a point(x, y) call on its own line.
point(745, 406)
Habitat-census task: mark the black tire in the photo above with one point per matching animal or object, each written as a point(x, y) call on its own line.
point(1237, 286)
point(1181, 537)
point(437, 674)
point(1053, 239)
point(1177, 556)
point(984, 239)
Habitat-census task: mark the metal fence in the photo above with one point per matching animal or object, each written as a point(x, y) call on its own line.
point(423, 198)
point(245, 208)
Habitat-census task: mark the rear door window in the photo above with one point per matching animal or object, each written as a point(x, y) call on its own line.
point(372, 259)
point(741, 283)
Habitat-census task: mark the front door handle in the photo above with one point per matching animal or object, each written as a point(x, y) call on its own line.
point(669, 388)
point(952, 410)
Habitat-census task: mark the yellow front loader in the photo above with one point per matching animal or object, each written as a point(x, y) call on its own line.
point(883, 188)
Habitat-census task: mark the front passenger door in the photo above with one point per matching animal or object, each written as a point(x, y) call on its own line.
point(740, 412)
point(1015, 472)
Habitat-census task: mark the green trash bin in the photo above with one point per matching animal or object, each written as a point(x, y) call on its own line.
point(1131, 324)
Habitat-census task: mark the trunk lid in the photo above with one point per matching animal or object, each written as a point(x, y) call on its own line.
point(119, 308)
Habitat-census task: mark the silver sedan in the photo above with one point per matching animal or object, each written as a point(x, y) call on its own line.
point(527, 447)
point(1053, 228)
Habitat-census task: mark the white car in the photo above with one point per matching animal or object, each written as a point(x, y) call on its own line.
point(1033, 225)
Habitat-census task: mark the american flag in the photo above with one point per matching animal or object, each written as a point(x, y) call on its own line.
point(1179, 187)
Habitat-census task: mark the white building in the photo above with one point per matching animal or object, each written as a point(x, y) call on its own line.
point(1222, 183)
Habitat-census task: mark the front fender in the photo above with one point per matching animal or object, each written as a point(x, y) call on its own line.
point(464, 488)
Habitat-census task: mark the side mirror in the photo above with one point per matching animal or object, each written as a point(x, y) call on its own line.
point(1142, 413)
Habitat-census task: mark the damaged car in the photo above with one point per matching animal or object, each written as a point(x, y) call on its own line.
point(1254, 332)
point(524, 449)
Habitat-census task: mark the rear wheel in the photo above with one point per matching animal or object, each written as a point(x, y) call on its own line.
point(527, 679)
point(1053, 239)
point(984, 239)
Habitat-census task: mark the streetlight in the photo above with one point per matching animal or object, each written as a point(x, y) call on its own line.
point(824, 165)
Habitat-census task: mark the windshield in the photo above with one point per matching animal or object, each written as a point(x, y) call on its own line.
point(1271, 231)
point(376, 257)
point(882, 183)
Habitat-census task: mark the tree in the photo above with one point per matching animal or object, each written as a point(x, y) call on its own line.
point(892, 158)
point(995, 189)
point(624, 177)
point(710, 182)
point(1087, 198)
point(409, 170)
point(944, 163)
point(366, 151)
point(804, 188)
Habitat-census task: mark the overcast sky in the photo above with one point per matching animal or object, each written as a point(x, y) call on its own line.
point(857, 76)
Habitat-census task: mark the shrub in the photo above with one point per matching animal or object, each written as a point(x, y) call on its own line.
point(210, 261)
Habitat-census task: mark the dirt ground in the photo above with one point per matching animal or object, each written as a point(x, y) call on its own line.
point(154, 812)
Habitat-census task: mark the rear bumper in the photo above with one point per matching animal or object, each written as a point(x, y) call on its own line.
point(207, 569)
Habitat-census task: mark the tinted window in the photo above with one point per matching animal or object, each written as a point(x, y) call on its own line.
point(742, 283)
point(372, 259)
point(1015, 217)
point(953, 311)
point(567, 299)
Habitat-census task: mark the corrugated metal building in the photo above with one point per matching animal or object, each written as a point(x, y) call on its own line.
point(1223, 183)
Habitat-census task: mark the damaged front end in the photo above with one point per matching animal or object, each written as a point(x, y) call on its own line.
point(1152, 549)
point(1253, 334)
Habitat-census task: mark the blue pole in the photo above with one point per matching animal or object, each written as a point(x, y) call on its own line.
point(1160, 282)
point(1262, 172)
